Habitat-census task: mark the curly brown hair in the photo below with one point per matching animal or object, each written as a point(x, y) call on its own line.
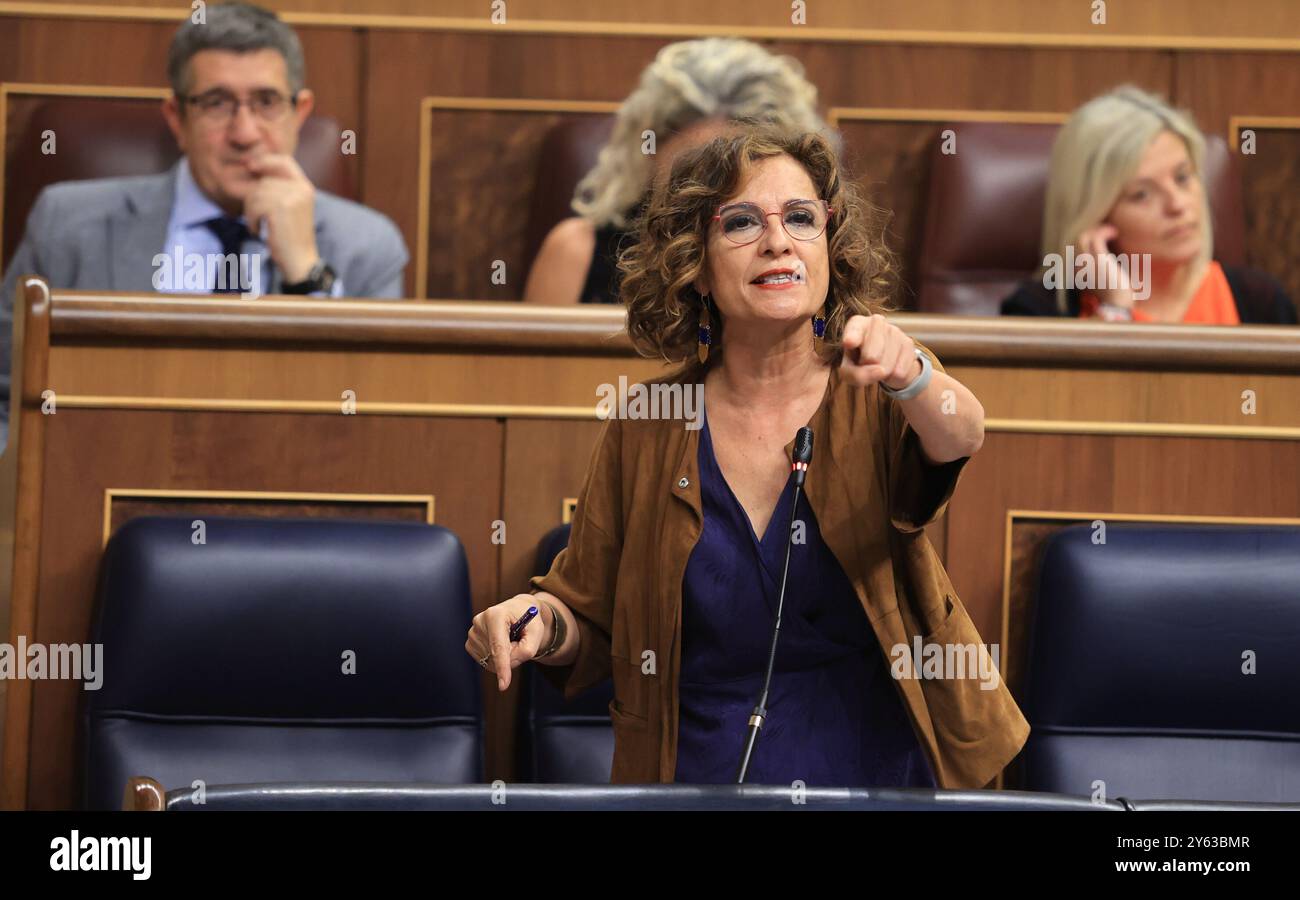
point(659, 268)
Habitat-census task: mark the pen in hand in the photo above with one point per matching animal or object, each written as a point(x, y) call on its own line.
point(517, 629)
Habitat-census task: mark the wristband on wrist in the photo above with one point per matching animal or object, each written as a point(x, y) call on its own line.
point(918, 384)
point(557, 639)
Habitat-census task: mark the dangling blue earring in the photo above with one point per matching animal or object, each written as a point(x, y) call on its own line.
point(819, 326)
point(706, 334)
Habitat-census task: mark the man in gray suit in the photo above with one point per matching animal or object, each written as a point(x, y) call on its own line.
point(235, 215)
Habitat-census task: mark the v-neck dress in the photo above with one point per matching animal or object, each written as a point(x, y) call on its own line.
point(834, 716)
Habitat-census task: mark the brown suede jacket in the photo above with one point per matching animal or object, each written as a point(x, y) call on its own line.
point(872, 491)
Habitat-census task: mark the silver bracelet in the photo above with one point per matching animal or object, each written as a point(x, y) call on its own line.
point(918, 383)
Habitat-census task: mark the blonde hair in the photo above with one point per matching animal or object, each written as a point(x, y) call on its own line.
point(690, 81)
point(1097, 151)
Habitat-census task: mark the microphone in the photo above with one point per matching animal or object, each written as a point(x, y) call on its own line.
point(803, 443)
point(802, 455)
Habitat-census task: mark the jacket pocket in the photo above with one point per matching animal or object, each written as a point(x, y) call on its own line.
point(950, 608)
point(631, 692)
point(620, 717)
point(636, 749)
point(978, 726)
point(963, 656)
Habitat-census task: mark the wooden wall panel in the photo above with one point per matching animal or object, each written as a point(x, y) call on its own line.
point(1099, 474)
point(534, 486)
point(1221, 88)
point(911, 76)
point(489, 415)
point(86, 51)
point(890, 162)
point(1217, 86)
point(1166, 398)
point(374, 79)
point(272, 452)
point(484, 168)
point(498, 381)
point(123, 507)
point(989, 20)
point(1271, 196)
point(1028, 539)
point(406, 67)
point(489, 160)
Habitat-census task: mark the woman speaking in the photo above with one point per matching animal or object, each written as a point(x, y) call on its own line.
point(759, 269)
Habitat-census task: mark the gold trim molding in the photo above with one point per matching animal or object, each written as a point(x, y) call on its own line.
point(839, 114)
point(531, 411)
point(801, 34)
point(1236, 123)
point(329, 407)
point(111, 494)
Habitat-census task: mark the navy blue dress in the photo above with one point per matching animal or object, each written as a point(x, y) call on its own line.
point(835, 717)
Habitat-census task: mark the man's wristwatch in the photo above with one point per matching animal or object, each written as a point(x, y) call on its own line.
point(319, 280)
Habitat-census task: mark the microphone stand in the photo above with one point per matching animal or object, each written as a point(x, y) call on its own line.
point(798, 471)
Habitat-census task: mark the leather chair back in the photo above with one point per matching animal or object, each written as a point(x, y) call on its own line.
point(282, 650)
point(1163, 663)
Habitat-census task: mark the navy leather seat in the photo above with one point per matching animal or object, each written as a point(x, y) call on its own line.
point(562, 742)
point(1136, 671)
point(224, 661)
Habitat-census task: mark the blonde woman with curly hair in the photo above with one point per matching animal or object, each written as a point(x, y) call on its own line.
point(761, 271)
point(686, 96)
point(1126, 197)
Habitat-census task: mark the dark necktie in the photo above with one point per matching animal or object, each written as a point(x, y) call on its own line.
point(231, 232)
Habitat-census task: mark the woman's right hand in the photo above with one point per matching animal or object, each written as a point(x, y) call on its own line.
point(489, 634)
point(1119, 291)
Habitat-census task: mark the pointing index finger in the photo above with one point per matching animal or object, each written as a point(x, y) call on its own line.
point(852, 335)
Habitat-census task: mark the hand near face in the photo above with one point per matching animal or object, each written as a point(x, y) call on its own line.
point(877, 351)
point(1096, 241)
point(285, 199)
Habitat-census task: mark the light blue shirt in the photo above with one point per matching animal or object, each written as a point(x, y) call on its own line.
point(185, 230)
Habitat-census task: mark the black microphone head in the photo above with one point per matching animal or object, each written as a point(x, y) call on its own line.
point(803, 445)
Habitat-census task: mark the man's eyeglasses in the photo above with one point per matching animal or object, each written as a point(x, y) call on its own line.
point(803, 220)
point(218, 106)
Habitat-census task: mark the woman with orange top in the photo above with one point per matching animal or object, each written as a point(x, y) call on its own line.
point(1126, 227)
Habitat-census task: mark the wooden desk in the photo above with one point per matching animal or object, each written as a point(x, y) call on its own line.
point(485, 412)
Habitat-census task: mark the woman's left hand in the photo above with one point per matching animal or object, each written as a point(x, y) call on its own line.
point(877, 351)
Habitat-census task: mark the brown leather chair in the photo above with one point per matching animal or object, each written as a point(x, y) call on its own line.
point(568, 152)
point(106, 137)
point(985, 214)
